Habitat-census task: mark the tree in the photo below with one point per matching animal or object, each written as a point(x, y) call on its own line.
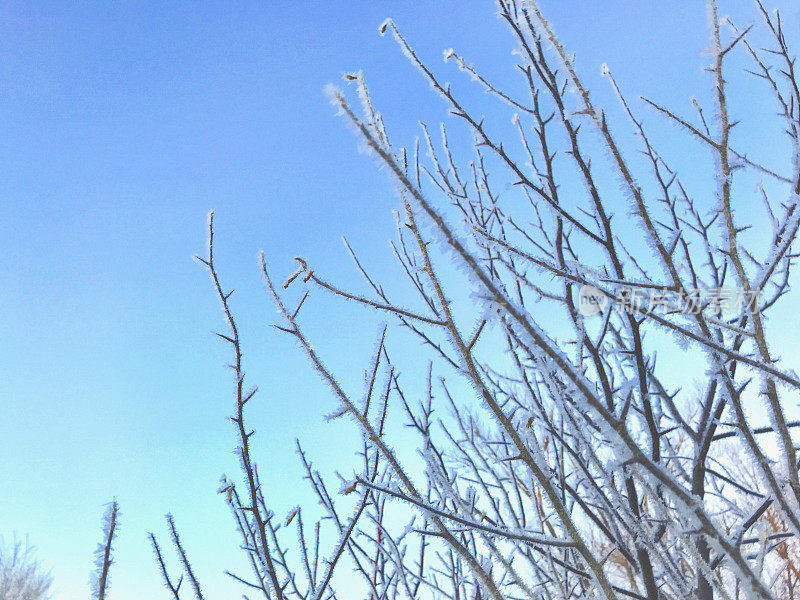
point(21, 576)
point(104, 554)
point(575, 465)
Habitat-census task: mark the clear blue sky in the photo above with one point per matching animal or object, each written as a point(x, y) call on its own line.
point(121, 125)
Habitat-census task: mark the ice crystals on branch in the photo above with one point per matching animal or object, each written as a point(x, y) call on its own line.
point(589, 469)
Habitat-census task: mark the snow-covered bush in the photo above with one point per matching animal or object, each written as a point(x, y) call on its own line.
point(21, 575)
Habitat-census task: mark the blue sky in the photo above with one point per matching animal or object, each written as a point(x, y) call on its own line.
point(121, 125)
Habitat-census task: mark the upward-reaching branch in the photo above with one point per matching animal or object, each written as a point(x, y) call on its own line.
point(104, 553)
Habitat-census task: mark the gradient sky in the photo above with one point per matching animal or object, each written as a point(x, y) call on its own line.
point(121, 125)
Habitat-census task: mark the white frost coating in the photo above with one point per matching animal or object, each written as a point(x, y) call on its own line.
point(713, 25)
point(681, 340)
point(339, 412)
point(344, 536)
point(779, 248)
point(567, 384)
point(291, 515)
point(335, 96)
